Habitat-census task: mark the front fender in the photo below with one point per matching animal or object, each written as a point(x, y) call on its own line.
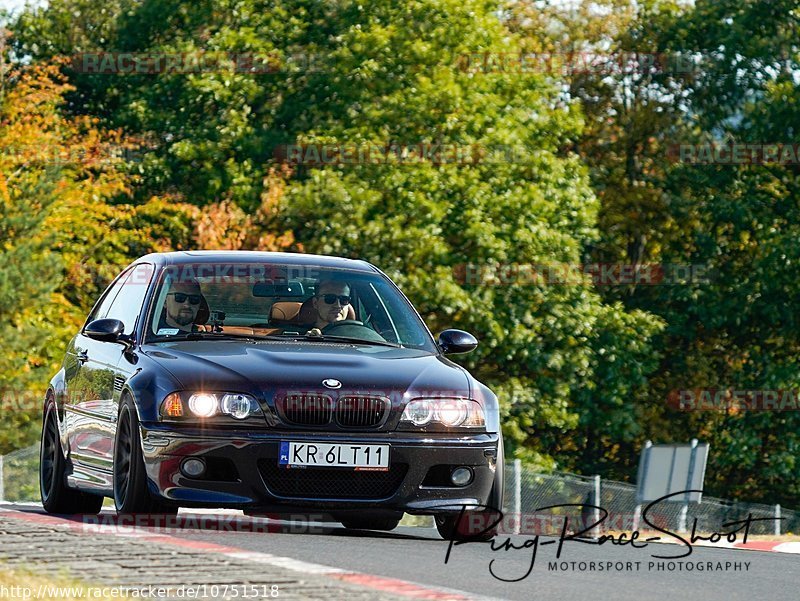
point(148, 386)
point(58, 388)
point(491, 406)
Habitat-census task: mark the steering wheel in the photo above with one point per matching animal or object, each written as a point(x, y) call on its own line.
point(328, 329)
point(356, 330)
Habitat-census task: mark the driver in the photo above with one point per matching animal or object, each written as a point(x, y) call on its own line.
point(330, 302)
point(181, 307)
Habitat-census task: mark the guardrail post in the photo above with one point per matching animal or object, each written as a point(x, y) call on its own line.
point(637, 516)
point(517, 495)
point(2, 481)
point(685, 507)
point(777, 517)
point(682, 518)
point(598, 530)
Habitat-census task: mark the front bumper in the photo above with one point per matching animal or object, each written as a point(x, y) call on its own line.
point(247, 474)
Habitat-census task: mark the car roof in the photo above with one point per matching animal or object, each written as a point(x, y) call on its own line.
point(252, 256)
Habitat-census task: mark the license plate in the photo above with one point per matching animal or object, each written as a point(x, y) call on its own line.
point(324, 454)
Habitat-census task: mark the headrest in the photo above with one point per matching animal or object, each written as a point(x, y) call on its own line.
point(203, 312)
point(284, 311)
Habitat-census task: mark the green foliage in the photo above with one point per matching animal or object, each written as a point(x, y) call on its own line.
point(737, 331)
point(62, 239)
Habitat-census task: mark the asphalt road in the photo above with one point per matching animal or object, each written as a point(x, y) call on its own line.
point(418, 555)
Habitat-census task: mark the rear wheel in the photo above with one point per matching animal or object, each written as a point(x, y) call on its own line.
point(56, 496)
point(371, 521)
point(130, 477)
point(475, 525)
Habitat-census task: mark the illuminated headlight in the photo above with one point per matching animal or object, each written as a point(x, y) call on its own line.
point(448, 412)
point(452, 413)
point(207, 404)
point(203, 405)
point(238, 405)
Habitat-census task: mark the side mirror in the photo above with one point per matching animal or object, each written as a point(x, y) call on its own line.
point(105, 330)
point(457, 341)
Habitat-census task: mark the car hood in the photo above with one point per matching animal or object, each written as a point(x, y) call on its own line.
point(272, 366)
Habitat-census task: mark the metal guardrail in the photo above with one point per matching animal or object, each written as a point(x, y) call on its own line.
point(19, 475)
point(527, 491)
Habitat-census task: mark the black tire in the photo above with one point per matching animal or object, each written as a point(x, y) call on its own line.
point(457, 527)
point(371, 521)
point(131, 495)
point(56, 496)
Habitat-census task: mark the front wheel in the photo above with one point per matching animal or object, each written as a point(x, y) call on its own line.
point(130, 477)
point(477, 525)
point(56, 496)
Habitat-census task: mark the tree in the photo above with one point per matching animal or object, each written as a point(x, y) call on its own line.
point(45, 161)
point(64, 232)
point(736, 331)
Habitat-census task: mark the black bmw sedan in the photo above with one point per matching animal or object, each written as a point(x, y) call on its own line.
point(269, 382)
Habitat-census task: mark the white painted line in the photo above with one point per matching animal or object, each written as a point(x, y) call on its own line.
point(790, 547)
point(286, 562)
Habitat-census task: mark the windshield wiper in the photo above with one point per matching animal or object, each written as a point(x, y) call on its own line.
point(352, 339)
point(206, 336)
point(295, 337)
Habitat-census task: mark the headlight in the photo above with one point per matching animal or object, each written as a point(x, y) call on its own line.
point(418, 413)
point(452, 413)
point(206, 404)
point(448, 412)
point(237, 405)
point(203, 405)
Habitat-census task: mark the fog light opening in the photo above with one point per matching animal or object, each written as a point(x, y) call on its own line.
point(194, 468)
point(461, 476)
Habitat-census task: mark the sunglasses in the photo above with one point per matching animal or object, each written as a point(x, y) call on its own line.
point(331, 298)
point(180, 297)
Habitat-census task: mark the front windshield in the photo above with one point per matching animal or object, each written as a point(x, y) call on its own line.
point(197, 301)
